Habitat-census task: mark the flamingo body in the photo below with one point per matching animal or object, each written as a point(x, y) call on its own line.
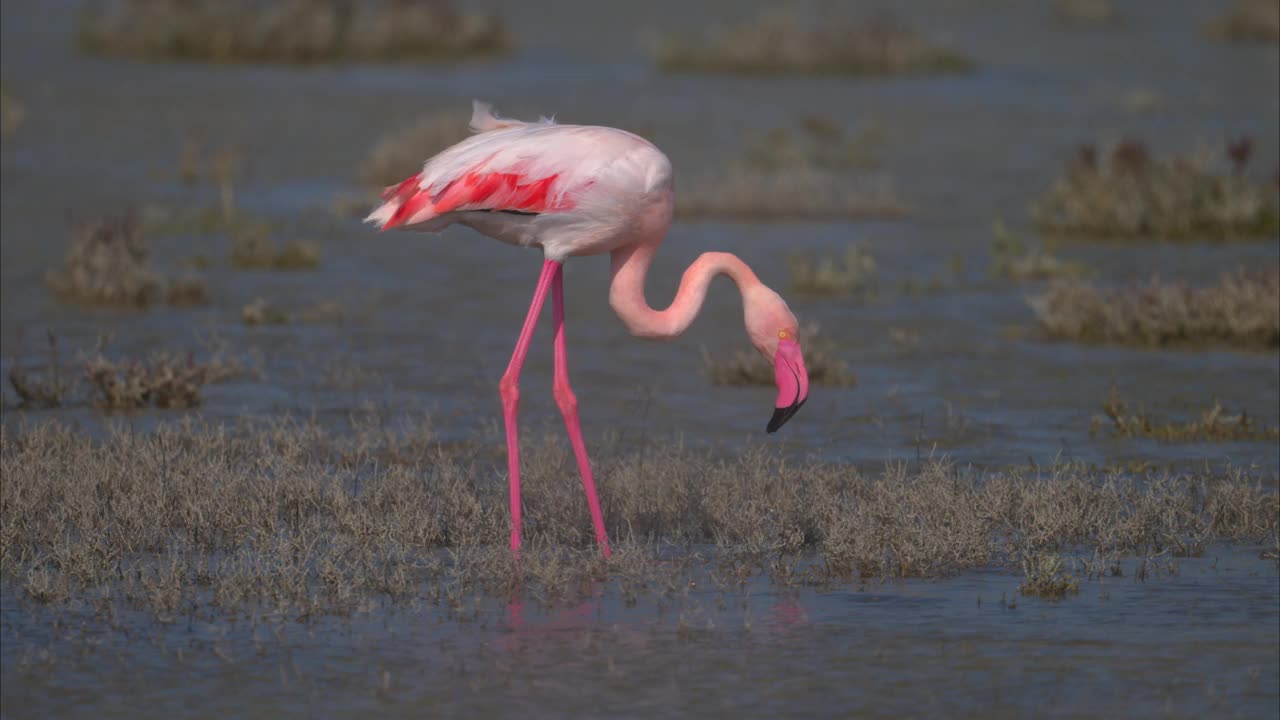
point(583, 190)
point(569, 189)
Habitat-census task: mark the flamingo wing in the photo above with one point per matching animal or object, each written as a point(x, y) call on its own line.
point(509, 166)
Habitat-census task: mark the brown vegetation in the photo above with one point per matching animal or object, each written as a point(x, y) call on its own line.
point(1045, 577)
point(1247, 22)
point(290, 517)
point(1242, 310)
point(802, 193)
point(289, 31)
point(1215, 424)
point(109, 263)
point(11, 112)
point(1085, 13)
point(1126, 193)
point(784, 43)
point(749, 367)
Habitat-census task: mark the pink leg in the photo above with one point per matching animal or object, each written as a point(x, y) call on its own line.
point(569, 408)
point(509, 388)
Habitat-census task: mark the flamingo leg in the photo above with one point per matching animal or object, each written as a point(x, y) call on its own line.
point(509, 389)
point(569, 408)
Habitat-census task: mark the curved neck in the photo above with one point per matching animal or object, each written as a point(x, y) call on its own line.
point(626, 294)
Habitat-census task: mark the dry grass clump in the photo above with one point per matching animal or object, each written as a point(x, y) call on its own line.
point(749, 367)
point(1247, 22)
point(1085, 13)
point(1015, 259)
point(1214, 424)
point(1045, 577)
point(855, 274)
point(289, 31)
point(109, 263)
point(400, 154)
point(775, 43)
point(291, 517)
point(252, 249)
point(262, 312)
point(1242, 310)
point(1128, 194)
point(163, 380)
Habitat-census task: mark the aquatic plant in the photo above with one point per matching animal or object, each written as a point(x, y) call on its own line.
point(46, 388)
point(1247, 22)
point(285, 516)
point(109, 263)
point(289, 31)
point(854, 274)
point(1013, 258)
point(162, 380)
point(1242, 310)
point(1126, 193)
point(748, 367)
point(252, 249)
point(1214, 424)
point(1045, 576)
point(785, 43)
point(820, 142)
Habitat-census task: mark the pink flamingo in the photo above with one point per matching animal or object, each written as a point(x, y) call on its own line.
point(583, 190)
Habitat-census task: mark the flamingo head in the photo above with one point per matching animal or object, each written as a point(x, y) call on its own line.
point(773, 331)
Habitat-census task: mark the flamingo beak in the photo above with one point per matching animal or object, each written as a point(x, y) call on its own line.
point(793, 383)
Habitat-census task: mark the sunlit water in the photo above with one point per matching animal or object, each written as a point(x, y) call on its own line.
point(430, 321)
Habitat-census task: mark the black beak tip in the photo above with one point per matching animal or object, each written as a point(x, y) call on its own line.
point(782, 415)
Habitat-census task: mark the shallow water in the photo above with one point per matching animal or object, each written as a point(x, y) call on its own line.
point(1195, 642)
point(430, 321)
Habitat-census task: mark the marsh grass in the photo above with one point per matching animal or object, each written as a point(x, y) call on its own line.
point(253, 249)
point(1125, 193)
point(1045, 576)
point(45, 388)
point(1215, 424)
point(1012, 258)
point(818, 141)
point(854, 274)
point(748, 367)
point(12, 112)
point(1247, 22)
point(784, 43)
point(1241, 311)
point(740, 193)
point(1081, 14)
point(289, 31)
point(401, 153)
point(290, 517)
point(109, 264)
point(263, 312)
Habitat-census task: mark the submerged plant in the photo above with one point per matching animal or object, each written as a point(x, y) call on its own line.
point(785, 43)
point(400, 154)
point(855, 274)
point(746, 367)
point(289, 31)
point(809, 193)
point(1014, 259)
point(162, 380)
point(1215, 424)
point(1242, 310)
point(1127, 193)
point(252, 249)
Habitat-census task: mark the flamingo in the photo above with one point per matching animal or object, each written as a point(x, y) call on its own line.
point(576, 190)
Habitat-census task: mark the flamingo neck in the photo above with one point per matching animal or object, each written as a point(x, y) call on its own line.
point(626, 293)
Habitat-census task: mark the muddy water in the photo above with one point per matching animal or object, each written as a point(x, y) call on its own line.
point(429, 322)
